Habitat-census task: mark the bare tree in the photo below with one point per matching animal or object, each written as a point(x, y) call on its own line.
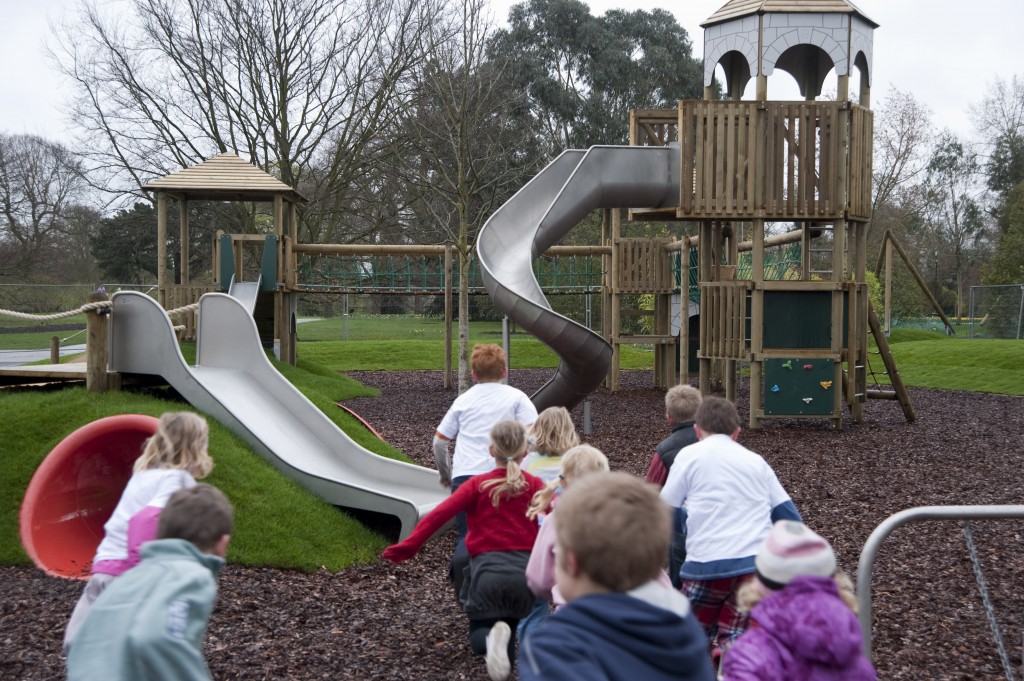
point(294, 85)
point(40, 181)
point(903, 137)
point(468, 153)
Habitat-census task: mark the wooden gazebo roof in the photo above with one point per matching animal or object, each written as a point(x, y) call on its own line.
point(225, 177)
point(735, 9)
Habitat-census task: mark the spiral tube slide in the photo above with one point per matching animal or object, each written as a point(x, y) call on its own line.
point(75, 490)
point(540, 215)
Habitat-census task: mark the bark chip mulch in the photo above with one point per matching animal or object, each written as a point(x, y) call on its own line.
point(402, 622)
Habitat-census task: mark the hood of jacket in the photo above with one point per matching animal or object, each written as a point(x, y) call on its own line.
point(813, 622)
point(178, 549)
point(626, 636)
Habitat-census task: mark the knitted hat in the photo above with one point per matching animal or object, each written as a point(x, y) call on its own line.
point(792, 550)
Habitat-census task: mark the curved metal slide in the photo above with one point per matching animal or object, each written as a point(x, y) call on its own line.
point(235, 383)
point(541, 214)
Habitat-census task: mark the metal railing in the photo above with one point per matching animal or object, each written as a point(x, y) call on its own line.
point(871, 546)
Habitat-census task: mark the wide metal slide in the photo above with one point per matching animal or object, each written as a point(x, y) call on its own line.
point(235, 383)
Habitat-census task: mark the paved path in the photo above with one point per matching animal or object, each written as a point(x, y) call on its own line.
point(13, 358)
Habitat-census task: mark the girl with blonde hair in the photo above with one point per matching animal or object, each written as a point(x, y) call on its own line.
point(577, 463)
point(173, 458)
point(551, 436)
point(499, 537)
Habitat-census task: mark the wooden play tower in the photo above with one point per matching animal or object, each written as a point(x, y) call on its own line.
point(751, 168)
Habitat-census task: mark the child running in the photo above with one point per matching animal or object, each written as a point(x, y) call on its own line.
point(469, 421)
point(540, 571)
point(803, 621)
point(551, 435)
point(172, 459)
point(621, 623)
point(499, 538)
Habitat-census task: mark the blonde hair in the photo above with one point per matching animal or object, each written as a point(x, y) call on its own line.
point(508, 445)
point(616, 527)
point(753, 592)
point(682, 402)
point(579, 461)
point(553, 433)
point(180, 441)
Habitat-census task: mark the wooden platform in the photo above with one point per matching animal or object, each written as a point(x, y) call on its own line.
point(42, 373)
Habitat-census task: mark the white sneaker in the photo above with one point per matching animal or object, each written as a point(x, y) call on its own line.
point(499, 668)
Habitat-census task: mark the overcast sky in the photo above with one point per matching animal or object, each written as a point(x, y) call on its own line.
point(944, 52)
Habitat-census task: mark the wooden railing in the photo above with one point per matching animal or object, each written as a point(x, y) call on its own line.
point(771, 160)
point(176, 296)
point(643, 266)
point(724, 334)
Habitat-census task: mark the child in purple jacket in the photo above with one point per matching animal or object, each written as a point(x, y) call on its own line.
point(803, 620)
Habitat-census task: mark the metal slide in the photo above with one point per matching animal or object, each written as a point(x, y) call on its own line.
point(536, 218)
point(245, 292)
point(235, 383)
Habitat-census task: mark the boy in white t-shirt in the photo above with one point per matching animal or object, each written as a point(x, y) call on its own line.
point(729, 497)
point(469, 421)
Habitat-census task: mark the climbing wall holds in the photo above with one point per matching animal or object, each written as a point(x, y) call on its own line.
point(776, 388)
point(808, 367)
point(808, 400)
point(788, 365)
point(826, 384)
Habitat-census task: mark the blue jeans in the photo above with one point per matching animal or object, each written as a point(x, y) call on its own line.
point(534, 619)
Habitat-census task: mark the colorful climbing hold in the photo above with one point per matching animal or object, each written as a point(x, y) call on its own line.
point(776, 388)
point(788, 365)
point(808, 367)
point(826, 384)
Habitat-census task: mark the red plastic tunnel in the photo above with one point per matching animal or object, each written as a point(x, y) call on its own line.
point(75, 489)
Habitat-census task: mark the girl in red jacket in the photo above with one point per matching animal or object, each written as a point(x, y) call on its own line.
point(499, 540)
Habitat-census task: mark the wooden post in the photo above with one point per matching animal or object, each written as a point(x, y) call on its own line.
point(161, 248)
point(96, 345)
point(890, 366)
point(448, 377)
point(757, 325)
point(54, 350)
point(607, 285)
point(183, 238)
point(888, 287)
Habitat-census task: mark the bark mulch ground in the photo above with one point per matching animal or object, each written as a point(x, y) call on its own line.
point(402, 622)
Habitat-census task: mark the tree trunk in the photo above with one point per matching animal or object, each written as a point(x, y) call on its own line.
point(465, 258)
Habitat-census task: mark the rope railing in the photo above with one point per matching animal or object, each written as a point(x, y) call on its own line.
point(88, 307)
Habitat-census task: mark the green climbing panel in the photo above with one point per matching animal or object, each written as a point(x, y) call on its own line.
point(799, 387)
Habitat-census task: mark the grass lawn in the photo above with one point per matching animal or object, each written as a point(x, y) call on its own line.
point(926, 359)
point(278, 523)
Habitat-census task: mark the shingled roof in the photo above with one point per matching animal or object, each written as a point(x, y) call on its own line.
point(735, 9)
point(225, 177)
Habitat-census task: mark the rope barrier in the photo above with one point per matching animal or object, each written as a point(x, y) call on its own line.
point(88, 307)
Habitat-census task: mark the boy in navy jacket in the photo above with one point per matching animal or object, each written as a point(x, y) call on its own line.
point(621, 623)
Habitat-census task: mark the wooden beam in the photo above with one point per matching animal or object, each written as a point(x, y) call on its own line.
point(890, 366)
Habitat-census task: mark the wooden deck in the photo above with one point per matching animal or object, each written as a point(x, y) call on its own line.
point(42, 373)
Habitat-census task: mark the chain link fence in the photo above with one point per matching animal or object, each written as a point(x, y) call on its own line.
point(996, 311)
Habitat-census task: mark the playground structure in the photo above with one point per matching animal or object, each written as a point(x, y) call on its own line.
point(733, 167)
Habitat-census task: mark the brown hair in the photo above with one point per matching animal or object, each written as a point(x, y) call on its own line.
point(553, 433)
point(579, 461)
point(718, 416)
point(488, 362)
point(200, 514)
point(682, 402)
point(753, 591)
point(617, 528)
point(508, 445)
point(180, 441)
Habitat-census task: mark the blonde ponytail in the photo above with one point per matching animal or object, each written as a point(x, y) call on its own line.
point(508, 445)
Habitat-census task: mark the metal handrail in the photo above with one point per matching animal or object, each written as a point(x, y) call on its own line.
point(874, 542)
